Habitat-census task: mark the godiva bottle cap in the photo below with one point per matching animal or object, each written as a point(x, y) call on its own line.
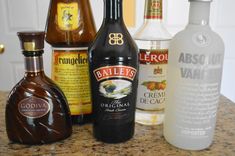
point(31, 40)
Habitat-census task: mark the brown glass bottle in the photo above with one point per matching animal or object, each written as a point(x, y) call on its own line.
point(37, 111)
point(113, 64)
point(70, 30)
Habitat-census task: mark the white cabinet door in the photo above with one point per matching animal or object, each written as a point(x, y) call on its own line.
point(17, 15)
point(20, 15)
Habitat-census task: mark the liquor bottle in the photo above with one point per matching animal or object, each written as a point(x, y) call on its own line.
point(153, 41)
point(70, 30)
point(194, 80)
point(37, 111)
point(113, 64)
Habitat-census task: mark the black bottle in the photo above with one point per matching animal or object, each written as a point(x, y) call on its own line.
point(113, 64)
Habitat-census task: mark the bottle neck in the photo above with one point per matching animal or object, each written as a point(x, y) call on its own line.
point(113, 10)
point(199, 13)
point(153, 11)
point(34, 64)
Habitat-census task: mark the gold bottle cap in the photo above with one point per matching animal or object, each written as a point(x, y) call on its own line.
point(31, 40)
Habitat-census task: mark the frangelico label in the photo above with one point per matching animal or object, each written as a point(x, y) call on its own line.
point(70, 72)
point(67, 18)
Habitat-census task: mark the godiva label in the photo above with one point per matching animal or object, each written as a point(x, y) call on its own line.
point(153, 9)
point(67, 16)
point(33, 107)
point(70, 72)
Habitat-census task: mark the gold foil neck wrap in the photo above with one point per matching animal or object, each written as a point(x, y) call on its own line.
point(30, 46)
point(153, 9)
point(34, 64)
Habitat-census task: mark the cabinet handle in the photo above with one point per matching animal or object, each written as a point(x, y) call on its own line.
point(2, 48)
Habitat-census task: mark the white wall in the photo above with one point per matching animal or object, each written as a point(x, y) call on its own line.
point(175, 18)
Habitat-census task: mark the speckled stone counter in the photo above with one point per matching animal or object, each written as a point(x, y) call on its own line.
point(147, 141)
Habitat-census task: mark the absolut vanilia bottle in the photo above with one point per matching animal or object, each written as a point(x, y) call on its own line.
point(113, 70)
point(153, 41)
point(194, 79)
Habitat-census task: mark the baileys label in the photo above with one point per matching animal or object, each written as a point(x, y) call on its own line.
point(118, 71)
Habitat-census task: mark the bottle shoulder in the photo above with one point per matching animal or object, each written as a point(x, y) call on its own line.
point(113, 40)
point(82, 30)
point(152, 31)
point(36, 86)
point(200, 37)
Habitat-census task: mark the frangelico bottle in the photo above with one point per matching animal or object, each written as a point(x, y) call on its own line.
point(37, 111)
point(70, 30)
point(113, 64)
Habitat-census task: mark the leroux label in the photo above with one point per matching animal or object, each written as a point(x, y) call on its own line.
point(115, 71)
point(153, 57)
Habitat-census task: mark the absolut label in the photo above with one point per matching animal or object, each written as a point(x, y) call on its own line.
point(191, 66)
point(33, 107)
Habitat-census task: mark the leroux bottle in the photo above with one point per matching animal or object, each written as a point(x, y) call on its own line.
point(113, 70)
point(153, 42)
point(37, 111)
point(194, 79)
point(70, 30)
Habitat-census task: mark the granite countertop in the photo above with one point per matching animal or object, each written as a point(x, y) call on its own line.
point(147, 141)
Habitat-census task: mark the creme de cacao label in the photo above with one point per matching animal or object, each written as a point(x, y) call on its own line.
point(152, 79)
point(67, 18)
point(71, 74)
point(115, 92)
point(153, 9)
point(33, 107)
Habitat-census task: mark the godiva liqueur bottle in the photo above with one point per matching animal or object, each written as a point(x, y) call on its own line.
point(70, 30)
point(113, 64)
point(37, 111)
point(153, 41)
point(194, 80)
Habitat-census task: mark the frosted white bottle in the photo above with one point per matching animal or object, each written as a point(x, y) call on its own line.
point(194, 78)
